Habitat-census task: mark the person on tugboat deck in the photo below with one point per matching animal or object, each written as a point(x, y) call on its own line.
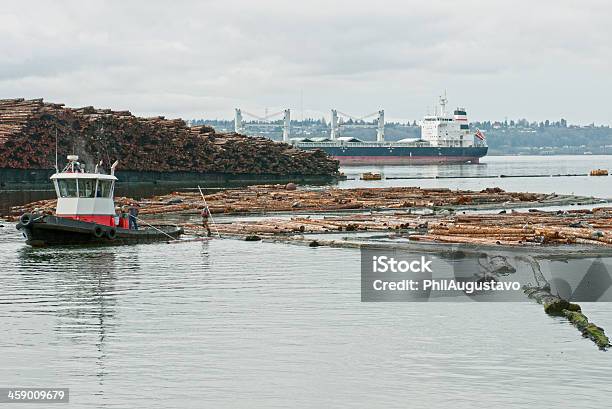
point(117, 216)
point(133, 212)
point(125, 220)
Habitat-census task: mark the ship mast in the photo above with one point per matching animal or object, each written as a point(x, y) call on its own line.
point(443, 102)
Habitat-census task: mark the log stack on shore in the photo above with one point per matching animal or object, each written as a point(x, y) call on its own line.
point(28, 137)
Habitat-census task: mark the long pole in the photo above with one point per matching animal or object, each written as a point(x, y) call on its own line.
point(209, 212)
point(56, 168)
point(150, 225)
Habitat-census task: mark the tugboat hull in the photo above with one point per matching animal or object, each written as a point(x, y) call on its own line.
point(47, 230)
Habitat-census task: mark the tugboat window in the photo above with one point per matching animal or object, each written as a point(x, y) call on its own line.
point(67, 187)
point(87, 187)
point(104, 188)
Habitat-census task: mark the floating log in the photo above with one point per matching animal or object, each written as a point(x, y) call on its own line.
point(371, 176)
point(557, 306)
point(554, 305)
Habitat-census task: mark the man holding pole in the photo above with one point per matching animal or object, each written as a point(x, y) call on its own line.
point(205, 215)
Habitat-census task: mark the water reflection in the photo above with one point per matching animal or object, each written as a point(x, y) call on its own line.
point(84, 296)
point(457, 170)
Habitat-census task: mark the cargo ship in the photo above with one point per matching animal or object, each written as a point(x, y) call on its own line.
point(444, 138)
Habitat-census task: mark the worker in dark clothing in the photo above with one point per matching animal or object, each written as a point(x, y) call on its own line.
point(205, 216)
point(133, 217)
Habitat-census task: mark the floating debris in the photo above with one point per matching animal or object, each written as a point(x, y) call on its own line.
point(599, 172)
point(371, 176)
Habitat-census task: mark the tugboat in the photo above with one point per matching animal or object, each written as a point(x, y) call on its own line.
point(85, 213)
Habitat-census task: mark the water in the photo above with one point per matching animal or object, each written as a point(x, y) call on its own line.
point(486, 174)
point(189, 326)
point(261, 325)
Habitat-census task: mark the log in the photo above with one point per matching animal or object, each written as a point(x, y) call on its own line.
point(554, 305)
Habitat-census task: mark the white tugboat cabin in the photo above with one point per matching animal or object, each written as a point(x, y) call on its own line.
point(85, 196)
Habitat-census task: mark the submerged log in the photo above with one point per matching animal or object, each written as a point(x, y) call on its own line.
point(589, 330)
point(557, 306)
point(554, 305)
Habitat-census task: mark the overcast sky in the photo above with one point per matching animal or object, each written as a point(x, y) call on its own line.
point(201, 59)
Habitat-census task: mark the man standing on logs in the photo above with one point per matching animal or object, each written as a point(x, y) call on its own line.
point(205, 215)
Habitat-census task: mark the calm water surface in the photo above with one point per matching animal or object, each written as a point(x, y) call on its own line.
point(486, 174)
point(237, 324)
point(234, 324)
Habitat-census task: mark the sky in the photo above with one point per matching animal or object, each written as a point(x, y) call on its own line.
point(201, 59)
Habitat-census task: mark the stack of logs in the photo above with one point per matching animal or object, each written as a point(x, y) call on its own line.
point(28, 137)
point(276, 198)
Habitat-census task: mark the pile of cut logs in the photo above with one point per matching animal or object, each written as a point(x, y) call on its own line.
point(277, 198)
point(28, 138)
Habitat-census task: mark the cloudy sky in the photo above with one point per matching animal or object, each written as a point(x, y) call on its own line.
point(193, 59)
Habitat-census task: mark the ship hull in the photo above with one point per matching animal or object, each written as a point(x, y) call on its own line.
point(58, 231)
point(403, 160)
point(400, 155)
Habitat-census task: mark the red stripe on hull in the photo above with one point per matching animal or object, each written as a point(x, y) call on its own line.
point(99, 219)
point(404, 160)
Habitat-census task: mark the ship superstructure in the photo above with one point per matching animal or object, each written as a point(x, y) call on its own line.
point(445, 130)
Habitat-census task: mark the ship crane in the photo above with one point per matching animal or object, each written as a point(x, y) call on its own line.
point(337, 122)
point(240, 126)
